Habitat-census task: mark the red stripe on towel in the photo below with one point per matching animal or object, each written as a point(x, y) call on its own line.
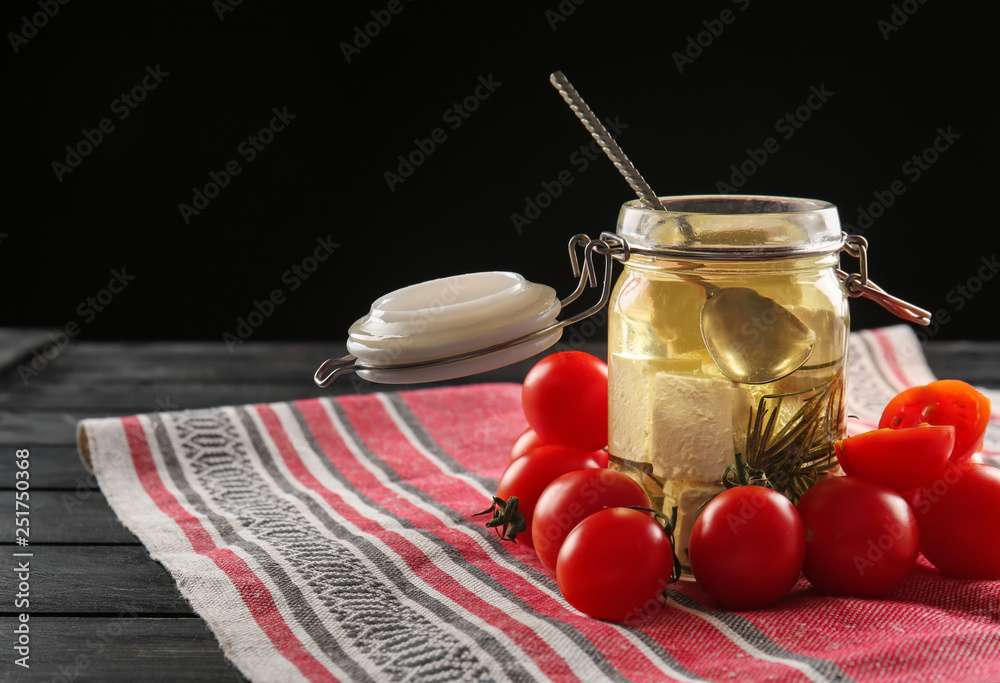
point(256, 597)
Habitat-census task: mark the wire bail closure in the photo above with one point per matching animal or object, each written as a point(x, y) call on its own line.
point(859, 285)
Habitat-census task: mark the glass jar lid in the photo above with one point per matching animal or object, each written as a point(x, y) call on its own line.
point(732, 227)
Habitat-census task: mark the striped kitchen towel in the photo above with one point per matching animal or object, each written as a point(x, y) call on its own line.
point(331, 539)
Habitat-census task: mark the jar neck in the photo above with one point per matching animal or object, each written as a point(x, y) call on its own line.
point(648, 263)
point(732, 225)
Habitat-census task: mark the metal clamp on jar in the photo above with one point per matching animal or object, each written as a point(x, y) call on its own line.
point(728, 334)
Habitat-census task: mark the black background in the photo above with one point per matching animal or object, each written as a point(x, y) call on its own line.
point(324, 174)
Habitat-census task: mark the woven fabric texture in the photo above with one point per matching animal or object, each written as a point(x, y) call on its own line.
point(332, 539)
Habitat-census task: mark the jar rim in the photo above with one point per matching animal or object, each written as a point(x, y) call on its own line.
point(761, 204)
point(732, 227)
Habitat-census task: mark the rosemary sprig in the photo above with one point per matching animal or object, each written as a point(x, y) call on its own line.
point(794, 456)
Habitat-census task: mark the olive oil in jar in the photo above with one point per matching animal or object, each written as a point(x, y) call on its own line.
point(679, 413)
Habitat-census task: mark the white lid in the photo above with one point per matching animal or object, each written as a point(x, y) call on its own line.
point(450, 317)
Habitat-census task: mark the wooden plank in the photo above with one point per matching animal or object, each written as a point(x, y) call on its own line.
point(974, 362)
point(98, 362)
point(17, 343)
point(66, 517)
point(205, 349)
point(92, 363)
point(130, 398)
point(52, 467)
point(118, 649)
point(112, 575)
point(35, 428)
point(146, 398)
point(63, 370)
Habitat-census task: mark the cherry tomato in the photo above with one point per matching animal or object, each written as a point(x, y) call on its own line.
point(574, 496)
point(944, 402)
point(528, 476)
point(902, 459)
point(861, 537)
point(747, 547)
point(959, 520)
point(615, 563)
point(565, 400)
point(529, 441)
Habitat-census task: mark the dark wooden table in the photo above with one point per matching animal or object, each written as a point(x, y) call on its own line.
point(100, 608)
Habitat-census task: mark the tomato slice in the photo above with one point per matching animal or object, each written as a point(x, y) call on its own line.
point(902, 459)
point(944, 402)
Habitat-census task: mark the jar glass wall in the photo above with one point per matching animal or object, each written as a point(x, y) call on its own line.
point(728, 334)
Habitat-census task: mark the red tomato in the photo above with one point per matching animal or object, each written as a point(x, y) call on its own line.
point(959, 520)
point(528, 476)
point(615, 563)
point(574, 496)
point(565, 400)
point(944, 402)
point(861, 537)
point(747, 547)
point(902, 459)
point(529, 441)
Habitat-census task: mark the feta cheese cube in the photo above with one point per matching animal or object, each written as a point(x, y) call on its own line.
point(629, 407)
point(689, 497)
point(675, 312)
point(693, 426)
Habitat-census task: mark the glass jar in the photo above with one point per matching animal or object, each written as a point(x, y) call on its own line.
point(727, 348)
